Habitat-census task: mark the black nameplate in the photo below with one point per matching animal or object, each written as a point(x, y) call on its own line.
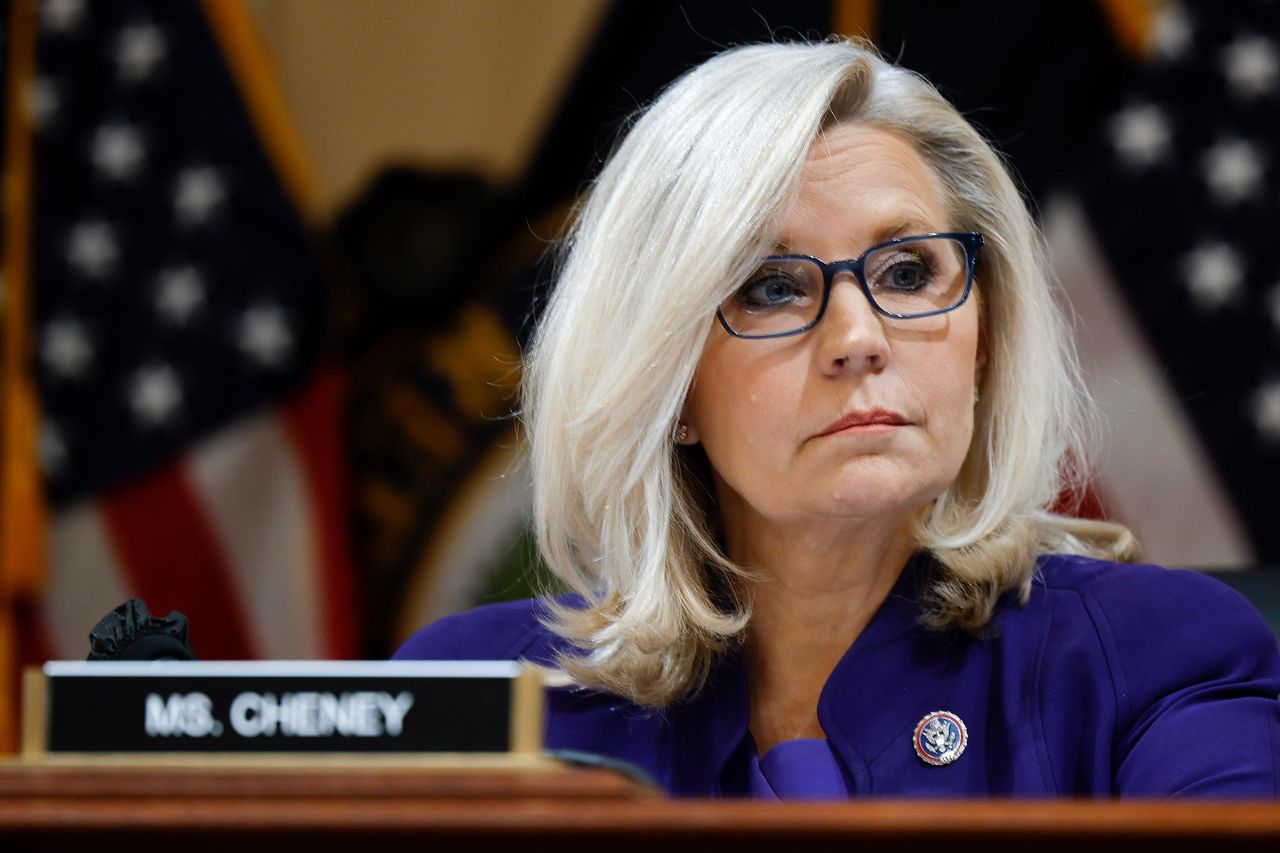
point(281, 706)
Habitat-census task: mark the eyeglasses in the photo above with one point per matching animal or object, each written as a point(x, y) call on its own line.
point(905, 278)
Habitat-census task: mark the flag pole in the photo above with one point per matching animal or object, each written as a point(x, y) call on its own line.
point(22, 543)
point(855, 18)
point(248, 60)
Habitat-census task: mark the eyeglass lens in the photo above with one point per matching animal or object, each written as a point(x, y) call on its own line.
point(908, 278)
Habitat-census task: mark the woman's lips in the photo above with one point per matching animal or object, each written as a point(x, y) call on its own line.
point(866, 421)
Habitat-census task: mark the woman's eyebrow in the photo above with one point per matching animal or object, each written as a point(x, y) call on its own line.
point(909, 226)
point(903, 228)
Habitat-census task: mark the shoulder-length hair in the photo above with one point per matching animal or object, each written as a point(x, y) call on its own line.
point(691, 197)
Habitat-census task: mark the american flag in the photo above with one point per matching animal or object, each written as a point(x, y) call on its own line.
point(187, 424)
point(1166, 247)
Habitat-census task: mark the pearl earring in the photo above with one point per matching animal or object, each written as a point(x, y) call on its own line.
point(682, 433)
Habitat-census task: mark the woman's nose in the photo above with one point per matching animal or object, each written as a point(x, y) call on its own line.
point(851, 336)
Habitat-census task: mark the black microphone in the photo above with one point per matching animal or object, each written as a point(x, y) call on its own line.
point(130, 632)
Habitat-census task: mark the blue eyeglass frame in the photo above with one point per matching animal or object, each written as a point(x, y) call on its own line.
point(971, 241)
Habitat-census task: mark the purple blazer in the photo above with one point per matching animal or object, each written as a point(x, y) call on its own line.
point(1112, 680)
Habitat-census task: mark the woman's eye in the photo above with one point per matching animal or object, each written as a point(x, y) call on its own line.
point(905, 275)
point(772, 291)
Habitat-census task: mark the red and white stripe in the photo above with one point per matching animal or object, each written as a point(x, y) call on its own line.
point(1153, 474)
point(244, 534)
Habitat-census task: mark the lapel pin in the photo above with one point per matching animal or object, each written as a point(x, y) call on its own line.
point(939, 738)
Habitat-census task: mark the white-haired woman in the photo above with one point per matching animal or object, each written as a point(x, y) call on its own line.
point(797, 411)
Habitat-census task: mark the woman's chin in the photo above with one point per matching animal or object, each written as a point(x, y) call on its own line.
point(880, 500)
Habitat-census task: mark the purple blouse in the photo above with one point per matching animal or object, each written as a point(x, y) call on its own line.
point(803, 769)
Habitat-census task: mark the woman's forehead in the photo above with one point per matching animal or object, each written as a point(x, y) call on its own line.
point(887, 229)
point(862, 185)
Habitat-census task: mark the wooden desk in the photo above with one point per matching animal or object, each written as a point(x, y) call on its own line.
point(384, 805)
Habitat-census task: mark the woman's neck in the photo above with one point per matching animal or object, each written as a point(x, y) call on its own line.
point(817, 587)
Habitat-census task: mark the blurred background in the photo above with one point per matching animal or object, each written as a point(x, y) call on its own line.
point(268, 267)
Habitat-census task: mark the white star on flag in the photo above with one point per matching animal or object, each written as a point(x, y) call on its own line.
point(1214, 274)
point(43, 101)
point(1266, 410)
point(60, 16)
point(51, 448)
point(1141, 135)
point(154, 395)
point(1170, 32)
point(66, 349)
point(180, 294)
point(92, 250)
point(1233, 169)
point(199, 192)
point(1251, 66)
point(118, 151)
point(139, 49)
point(264, 335)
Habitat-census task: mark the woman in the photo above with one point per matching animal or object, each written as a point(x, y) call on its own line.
point(796, 411)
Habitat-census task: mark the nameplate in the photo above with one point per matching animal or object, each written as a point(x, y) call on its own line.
point(283, 706)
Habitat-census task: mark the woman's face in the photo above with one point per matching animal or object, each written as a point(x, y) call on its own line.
point(764, 410)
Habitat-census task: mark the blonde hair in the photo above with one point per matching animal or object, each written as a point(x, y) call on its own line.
point(690, 198)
